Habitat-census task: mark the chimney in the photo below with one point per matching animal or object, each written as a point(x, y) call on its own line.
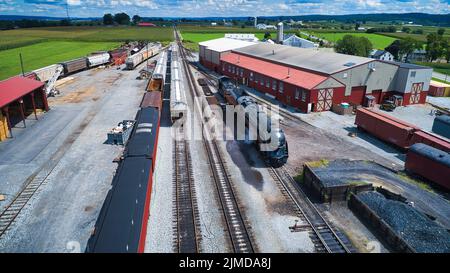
point(289, 72)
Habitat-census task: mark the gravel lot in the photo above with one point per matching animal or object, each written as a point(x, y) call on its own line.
point(62, 214)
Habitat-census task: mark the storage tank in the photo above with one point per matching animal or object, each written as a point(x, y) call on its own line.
point(280, 33)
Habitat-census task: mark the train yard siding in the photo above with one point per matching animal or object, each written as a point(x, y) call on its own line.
point(47, 53)
point(61, 215)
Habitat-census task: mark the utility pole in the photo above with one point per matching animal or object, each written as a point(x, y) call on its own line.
point(21, 64)
point(67, 10)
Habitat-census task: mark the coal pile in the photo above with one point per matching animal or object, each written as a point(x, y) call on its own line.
point(419, 231)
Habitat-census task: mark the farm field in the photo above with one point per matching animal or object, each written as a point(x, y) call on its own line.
point(443, 68)
point(46, 53)
point(378, 41)
point(83, 34)
point(45, 46)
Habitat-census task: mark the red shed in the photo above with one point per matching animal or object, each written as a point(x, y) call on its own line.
point(20, 96)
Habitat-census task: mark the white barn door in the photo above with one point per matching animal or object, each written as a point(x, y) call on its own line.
point(415, 93)
point(325, 100)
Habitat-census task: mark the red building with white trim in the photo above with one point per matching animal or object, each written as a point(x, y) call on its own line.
point(313, 80)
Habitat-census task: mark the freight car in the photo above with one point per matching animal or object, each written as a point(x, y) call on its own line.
point(270, 139)
point(430, 163)
point(75, 65)
point(141, 56)
point(98, 59)
point(152, 99)
point(118, 56)
point(44, 74)
point(441, 126)
point(178, 103)
point(431, 140)
point(122, 224)
point(156, 83)
point(386, 129)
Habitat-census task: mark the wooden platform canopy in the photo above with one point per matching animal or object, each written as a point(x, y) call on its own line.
point(19, 96)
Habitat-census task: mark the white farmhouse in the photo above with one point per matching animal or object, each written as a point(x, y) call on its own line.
point(382, 55)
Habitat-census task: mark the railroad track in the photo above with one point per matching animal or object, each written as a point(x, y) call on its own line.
point(39, 178)
point(235, 223)
point(186, 228)
point(325, 237)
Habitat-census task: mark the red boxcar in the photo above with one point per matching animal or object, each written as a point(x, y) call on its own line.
point(384, 128)
point(431, 140)
point(430, 163)
point(394, 119)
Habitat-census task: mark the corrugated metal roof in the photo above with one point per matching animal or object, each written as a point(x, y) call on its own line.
point(15, 88)
point(225, 44)
point(408, 65)
point(307, 80)
point(306, 58)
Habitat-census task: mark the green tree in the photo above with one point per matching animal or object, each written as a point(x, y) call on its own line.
point(447, 51)
point(435, 46)
point(136, 19)
point(406, 29)
point(352, 45)
point(441, 31)
point(122, 18)
point(108, 19)
point(407, 46)
point(394, 49)
point(267, 35)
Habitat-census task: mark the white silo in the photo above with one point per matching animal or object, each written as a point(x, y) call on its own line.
point(280, 33)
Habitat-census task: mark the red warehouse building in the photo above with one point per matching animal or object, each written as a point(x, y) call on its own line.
point(314, 80)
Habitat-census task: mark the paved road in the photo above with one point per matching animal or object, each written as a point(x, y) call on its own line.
point(441, 76)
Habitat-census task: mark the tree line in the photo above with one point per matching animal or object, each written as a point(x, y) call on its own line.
point(437, 46)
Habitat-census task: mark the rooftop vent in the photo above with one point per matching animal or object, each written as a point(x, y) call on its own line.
point(349, 64)
point(273, 52)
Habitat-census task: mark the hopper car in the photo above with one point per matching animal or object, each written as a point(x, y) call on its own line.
point(141, 56)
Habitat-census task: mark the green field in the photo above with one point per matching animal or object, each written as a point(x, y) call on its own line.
point(84, 34)
point(45, 46)
point(46, 53)
point(443, 68)
point(378, 41)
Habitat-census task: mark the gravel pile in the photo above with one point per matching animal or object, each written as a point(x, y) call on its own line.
point(420, 232)
point(346, 172)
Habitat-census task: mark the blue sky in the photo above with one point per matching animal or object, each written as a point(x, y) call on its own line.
point(198, 8)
